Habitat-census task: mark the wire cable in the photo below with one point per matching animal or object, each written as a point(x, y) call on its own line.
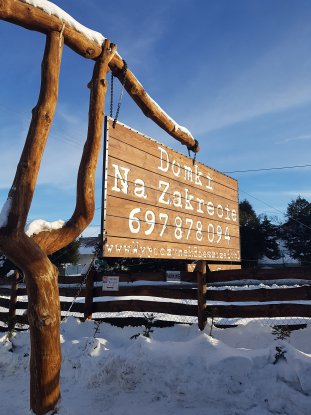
point(269, 169)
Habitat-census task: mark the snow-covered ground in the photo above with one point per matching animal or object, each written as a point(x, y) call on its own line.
point(178, 370)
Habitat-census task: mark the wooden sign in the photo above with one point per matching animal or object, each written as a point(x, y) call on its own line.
point(160, 204)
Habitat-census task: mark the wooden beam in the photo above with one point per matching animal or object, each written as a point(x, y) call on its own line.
point(261, 274)
point(202, 290)
point(33, 18)
point(262, 310)
point(89, 287)
point(85, 202)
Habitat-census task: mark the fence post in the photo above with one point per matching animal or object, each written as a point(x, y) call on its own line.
point(200, 270)
point(88, 306)
point(13, 301)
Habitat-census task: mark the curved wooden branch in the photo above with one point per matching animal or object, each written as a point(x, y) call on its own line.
point(33, 18)
point(56, 239)
point(24, 183)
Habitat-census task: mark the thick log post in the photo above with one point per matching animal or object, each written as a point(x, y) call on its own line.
point(40, 274)
point(30, 254)
point(202, 291)
point(89, 285)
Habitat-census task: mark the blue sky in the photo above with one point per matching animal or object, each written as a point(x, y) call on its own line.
point(237, 74)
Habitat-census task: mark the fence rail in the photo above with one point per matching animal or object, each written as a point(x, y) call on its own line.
point(225, 294)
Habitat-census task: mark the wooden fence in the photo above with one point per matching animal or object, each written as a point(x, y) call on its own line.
point(199, 294)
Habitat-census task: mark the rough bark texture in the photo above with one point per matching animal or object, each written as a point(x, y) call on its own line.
point(84, 211)
point(30, 254)
point(40, 274)
point(33, 18)
point(202, 290)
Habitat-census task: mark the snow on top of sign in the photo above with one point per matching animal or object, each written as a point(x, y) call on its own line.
point(40, 225)
point(5, 212)
point(54, 10)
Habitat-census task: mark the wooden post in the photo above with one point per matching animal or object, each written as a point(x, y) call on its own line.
point(13, 301)
point(88, 306)
point(202, 290)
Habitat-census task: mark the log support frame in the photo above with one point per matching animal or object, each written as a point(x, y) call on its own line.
point(201, 271)
point(33, 18)
point(31, 254)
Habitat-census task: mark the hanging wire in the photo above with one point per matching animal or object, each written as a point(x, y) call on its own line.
point(124, 71)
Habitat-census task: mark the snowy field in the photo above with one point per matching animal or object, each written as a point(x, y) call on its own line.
point(178, 370)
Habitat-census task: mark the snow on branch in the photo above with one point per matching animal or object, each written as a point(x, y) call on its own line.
point(53, 10)
point(88, 43)
point(40, 225)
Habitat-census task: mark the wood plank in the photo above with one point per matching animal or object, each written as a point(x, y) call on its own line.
point(5, 280)
point(22, 291)
point(261, 274)
point(119, 222)
point(5, 291)
point(71, 292)
point(129, 137)
point(214, 267)
point(150, 290)
point(254, 311)
point(135, 321)
point(22, 319)
point(123, 247)
point(123, 156)
point(21, 305)
point(76, 307)
point(154, 193)
point(146, 276)
point(5, 302)
point(145, 307)
point(226, 197)
point(77, 279)
point(261, 294)
point(4, 316)
point(223, 267)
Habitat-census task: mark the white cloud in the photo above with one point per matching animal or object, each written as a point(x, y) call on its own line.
point(303, 137)
point(280, 79)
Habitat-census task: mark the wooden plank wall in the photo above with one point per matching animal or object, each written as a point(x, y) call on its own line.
point(225, 302)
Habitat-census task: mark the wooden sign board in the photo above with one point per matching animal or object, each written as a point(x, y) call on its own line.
point(160, 204)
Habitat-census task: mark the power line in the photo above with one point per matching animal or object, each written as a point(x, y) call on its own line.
point(269, 169)
point(277, 210)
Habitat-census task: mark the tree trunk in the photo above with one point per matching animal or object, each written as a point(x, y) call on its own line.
point(44, 322)
point(30, 254)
